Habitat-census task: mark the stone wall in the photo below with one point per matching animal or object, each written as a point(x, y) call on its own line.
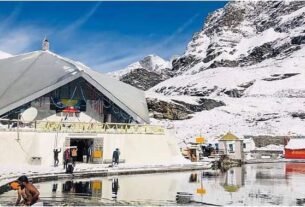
point(262, 141)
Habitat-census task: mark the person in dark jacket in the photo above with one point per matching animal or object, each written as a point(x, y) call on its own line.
point(56, 160)
point(115, 157)
point(66, 157)
point(89, 153)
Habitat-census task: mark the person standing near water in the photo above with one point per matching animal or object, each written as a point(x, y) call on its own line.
point(56, 152)
point(74, 155)
point(66, 157)
point(115, 157)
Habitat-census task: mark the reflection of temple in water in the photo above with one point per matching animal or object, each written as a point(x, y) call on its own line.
point(234, 179)
point(85, 188)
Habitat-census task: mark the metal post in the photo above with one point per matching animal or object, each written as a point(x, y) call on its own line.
point(18, 138)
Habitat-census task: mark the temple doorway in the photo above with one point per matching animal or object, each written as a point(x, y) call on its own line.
point(82, 146)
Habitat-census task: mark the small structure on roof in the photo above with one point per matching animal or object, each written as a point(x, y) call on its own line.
point(295, 149)
point(231, 146)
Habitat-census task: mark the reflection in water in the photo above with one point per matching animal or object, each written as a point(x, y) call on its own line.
point(261, 184)
point(295, 168)
point(193, 178)
point(115, 188)
point(234, 179)
point(85, 188)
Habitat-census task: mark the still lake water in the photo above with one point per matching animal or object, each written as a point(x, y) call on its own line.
point(253, 184)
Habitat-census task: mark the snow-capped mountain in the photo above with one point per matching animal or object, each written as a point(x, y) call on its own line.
point(244, 72)
point(4, 55)
point(250, 56)
point(245, 33)
point(145, 73)
point(151, 63)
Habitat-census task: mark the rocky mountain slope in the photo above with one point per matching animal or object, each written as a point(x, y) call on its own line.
point(250, 56)
point(145, 73)
point(245, 33)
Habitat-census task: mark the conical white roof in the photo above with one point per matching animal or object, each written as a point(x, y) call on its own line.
point(28, 76)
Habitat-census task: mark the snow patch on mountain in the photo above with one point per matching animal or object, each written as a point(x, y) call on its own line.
point(267, 107)
point(251, 57)
point(152, 63)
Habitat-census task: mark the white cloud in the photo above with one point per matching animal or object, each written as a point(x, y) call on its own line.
point(69, 30)
point(9, 20)
point(19, 40)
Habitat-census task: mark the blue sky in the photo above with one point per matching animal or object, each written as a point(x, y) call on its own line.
point(104, 35)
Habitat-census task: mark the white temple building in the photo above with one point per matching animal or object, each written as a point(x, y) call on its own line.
point(76, 107)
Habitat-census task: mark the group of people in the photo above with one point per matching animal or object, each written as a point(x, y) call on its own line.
point(209, 150)
point(27, 193)
point(70, 155)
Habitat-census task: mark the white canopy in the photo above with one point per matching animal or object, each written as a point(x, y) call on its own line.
point(29, 76)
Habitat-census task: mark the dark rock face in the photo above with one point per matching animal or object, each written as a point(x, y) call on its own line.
point(275, 77)
point(142, 79)
point(208, 104)
point(234, 93)
point(263, 118)
point(300, 115)
point(262, 141)
point(266, 51)
point(179, 110)
point(203, 104)
point(189, 90)
point(223, 63)
point(145, 73)
point(165, 110)
point(183, 63)
point(298, 40)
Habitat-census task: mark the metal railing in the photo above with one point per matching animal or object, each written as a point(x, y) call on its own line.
point(80, 127)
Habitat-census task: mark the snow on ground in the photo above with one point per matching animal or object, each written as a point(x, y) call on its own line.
point(186, 99)
point(232, 78)
point(265, 108)
point(292, 15)
point(243, 116)
point(271, 147)
point(4, 55)
point(247, 44)
point(295, 144)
